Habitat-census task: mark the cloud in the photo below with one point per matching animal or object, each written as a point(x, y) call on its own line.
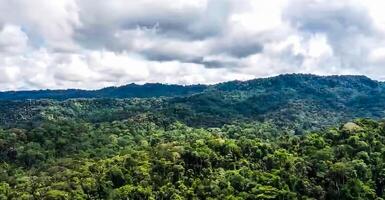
point(93, 44)
point(12, 39)
point(96, 69)
point(49, 23)
point(184, 20)
point(349, 28)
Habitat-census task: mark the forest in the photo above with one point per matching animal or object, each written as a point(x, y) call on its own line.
point(286, 137)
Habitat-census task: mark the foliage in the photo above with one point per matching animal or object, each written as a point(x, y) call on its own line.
point(295, 102)
point(140, 160)
point(126, 91)
point(258, 139)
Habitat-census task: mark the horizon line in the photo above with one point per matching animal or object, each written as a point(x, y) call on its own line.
point(187, 85)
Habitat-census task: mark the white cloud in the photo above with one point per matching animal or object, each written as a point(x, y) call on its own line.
point(377, 55)
point(52, 23)
point(12, 39)
point(93, 44)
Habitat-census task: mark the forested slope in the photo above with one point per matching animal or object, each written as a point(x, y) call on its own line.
point(298, 102)
point(139, 160)
point(285, 137)
point(126, 91)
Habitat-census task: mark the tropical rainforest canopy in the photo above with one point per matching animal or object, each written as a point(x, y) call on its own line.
point(285, 137)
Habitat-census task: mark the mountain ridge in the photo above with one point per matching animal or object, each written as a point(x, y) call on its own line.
point(148, 90)
point(296, 101)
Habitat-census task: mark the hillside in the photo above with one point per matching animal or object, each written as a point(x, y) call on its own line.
point(285, 137)
point(127, 91)
point(298, 102)
point(287, 99)
point(138, 160)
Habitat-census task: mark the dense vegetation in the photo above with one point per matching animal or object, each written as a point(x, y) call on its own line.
point(286, 137)
point(139, 160)
point(297, 102)
point(127, 91)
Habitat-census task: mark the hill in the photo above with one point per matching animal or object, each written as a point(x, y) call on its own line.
point(282, 137)
point(139, 160)
point(126, 91)
point(298, 102)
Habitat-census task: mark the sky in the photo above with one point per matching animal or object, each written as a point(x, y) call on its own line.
point(89, 44)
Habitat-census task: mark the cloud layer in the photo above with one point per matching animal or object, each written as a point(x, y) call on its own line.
point(97, 43)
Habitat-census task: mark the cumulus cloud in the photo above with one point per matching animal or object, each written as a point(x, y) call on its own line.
point(97, 43)
point(50, 23)
point(12, 39)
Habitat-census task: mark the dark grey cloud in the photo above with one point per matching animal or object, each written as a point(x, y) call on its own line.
point(239, 47)
point(244, 50)
point(219, 64)
point(102, 20)
point(337, 19)
point(122, 31)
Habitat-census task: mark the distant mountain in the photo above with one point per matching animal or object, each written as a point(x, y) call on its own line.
point(296, 101)
point(127, 91)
